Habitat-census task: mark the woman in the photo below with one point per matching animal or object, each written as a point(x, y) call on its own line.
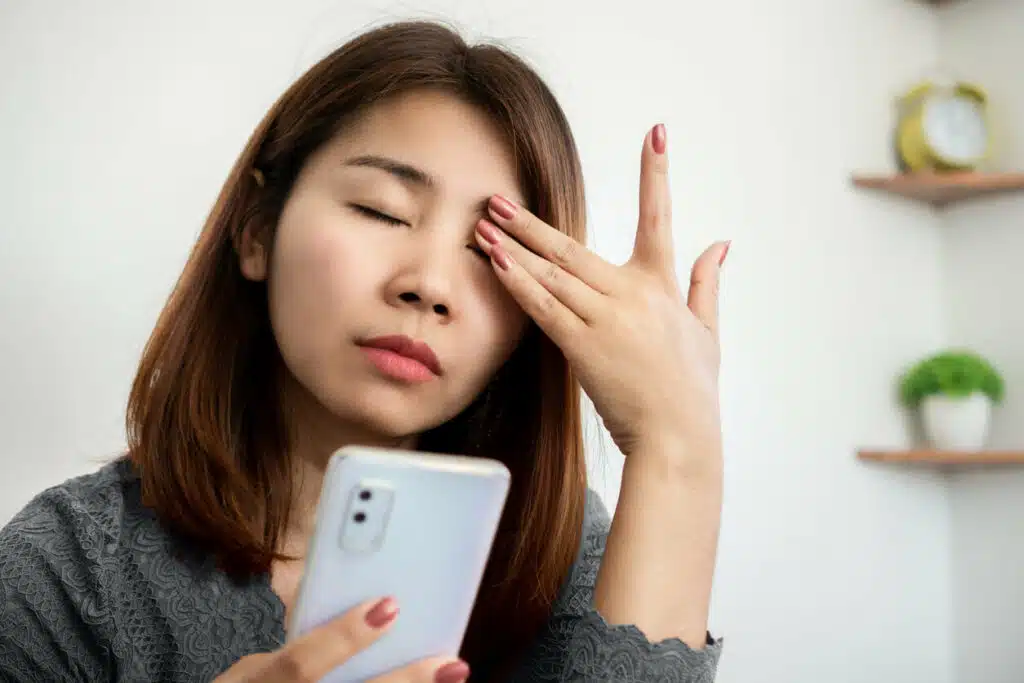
point(408, 185)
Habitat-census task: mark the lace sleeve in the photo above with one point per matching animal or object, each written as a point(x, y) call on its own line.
point(47, 595)
point(579, 645)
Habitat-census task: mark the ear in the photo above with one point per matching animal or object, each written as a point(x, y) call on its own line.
point(253, 254)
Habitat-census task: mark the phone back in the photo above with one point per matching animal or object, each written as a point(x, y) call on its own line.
point(415, 526)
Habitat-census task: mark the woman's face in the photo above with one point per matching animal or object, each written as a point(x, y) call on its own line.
point(376, 242)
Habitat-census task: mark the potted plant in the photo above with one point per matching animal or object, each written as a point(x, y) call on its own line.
point(953, 392)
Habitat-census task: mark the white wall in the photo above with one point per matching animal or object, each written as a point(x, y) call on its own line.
point(984, 242)
point(120, 119)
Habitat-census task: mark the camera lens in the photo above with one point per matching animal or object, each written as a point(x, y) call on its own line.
point(365, 495)
point(359, 517)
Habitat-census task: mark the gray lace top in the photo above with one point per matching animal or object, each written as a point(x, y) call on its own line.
point(92, 588)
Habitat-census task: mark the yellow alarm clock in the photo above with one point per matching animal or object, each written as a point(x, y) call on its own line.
point(942, 128)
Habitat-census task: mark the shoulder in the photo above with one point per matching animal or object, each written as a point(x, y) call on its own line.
point(88, 507)
point(57, 555)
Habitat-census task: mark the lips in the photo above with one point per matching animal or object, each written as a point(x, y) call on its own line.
point(407, 347)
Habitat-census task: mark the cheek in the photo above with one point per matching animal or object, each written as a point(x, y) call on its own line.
point(501, 325)
point(510, 317)
point(316, 277)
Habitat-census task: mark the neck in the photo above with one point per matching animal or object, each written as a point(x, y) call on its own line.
point(317, 434)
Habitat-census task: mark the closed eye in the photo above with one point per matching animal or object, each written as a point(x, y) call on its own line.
point(377, 215)
point(391, 220)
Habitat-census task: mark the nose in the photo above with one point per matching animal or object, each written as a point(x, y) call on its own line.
point(432, 303)
point(425, 280)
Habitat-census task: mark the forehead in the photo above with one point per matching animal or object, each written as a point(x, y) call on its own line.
point(454, 142)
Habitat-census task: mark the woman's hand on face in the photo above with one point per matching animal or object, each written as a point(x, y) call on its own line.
point(646, 356)
point(310, 658)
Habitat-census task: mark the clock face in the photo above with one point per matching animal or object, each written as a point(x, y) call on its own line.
point(955, 128)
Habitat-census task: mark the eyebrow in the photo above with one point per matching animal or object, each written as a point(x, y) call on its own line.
point(409, 175)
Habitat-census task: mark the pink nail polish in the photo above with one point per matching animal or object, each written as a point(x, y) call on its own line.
point(489, 232)
point(501, 257)
point(725, 252)
point(452, 672)
point(659, 138)
point(382, 614)
point(503, 207)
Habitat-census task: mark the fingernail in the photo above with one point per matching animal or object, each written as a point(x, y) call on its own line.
point(501, 257)
point(503, 207)
point(452, 672)
point(659, 138)
point(382, 614)
point(488, 231)
point(725, 252)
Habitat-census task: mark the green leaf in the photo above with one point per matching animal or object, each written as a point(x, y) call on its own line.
point(951, 373)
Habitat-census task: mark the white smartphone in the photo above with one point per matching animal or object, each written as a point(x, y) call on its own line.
point(415, 526)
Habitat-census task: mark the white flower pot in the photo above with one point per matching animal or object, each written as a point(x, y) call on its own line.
point(957, 423)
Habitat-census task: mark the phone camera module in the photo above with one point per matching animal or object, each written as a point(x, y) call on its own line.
point(359, 517)
point(365, 495)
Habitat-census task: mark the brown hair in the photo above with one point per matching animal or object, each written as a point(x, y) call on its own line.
point(205, 428)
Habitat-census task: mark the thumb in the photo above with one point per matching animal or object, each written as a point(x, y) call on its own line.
point(704, 281)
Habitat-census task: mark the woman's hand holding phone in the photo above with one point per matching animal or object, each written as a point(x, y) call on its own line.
point(313, 656)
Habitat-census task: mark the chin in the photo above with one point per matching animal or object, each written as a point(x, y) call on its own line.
point(391, 413)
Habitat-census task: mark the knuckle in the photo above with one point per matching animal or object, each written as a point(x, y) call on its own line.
point(293, 667)
point(661, 164)
point(526, 222)
point(546, 306)
point(703, 281)
point(552, 273)
point(654, 298)
point(649, 215)
point(566, 252)
point(650, 300)
point(348, 633)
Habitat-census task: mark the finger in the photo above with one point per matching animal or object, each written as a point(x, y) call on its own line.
point(320, 651)
point(434, 670)
point(552, 316)
point(576, 295)
point(552, 245)
point(653, 247)
point(704, 281)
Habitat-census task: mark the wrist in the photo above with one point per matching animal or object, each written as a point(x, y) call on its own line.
point(672, 455)
point(659, 561)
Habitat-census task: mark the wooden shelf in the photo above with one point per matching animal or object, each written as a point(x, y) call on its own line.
point(942, 189)
point(932, 457)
